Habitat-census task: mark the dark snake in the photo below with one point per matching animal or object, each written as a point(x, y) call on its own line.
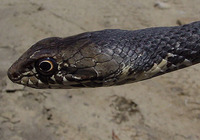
point(108, 57)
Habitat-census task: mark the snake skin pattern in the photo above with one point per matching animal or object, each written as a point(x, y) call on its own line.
point(108, 57)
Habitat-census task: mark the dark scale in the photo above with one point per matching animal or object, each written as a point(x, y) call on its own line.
point(149, 46)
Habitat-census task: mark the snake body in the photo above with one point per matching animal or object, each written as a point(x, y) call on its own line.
point(108, 57)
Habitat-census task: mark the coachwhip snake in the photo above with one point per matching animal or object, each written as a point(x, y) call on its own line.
point(108, 57)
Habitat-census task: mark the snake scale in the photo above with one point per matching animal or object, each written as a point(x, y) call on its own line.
point(107, 57)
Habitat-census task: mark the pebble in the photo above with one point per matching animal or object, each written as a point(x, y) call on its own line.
point(162, 5)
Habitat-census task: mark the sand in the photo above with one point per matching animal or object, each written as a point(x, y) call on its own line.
point(162, 108)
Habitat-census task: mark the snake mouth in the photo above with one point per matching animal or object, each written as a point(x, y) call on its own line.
point(14, 76)
point(32, 81)
point(26, 78)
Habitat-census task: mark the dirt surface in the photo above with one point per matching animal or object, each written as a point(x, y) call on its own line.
point(162, 108)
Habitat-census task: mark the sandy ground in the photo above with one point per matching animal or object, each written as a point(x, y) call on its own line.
point(163, 108)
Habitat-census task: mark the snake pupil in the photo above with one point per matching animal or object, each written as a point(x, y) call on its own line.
point(45, 66)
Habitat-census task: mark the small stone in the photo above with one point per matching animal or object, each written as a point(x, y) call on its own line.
point(162, 5)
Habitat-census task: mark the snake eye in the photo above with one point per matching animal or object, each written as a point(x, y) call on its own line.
point(46, 66)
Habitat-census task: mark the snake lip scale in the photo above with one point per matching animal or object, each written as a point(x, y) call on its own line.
point(107, 57)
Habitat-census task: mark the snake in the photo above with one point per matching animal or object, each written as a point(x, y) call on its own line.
point(107, 57)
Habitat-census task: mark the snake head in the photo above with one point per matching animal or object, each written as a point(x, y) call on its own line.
point(37, 60)
point(70, 62)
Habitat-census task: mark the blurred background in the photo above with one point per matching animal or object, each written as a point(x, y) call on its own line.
point(162, 108)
